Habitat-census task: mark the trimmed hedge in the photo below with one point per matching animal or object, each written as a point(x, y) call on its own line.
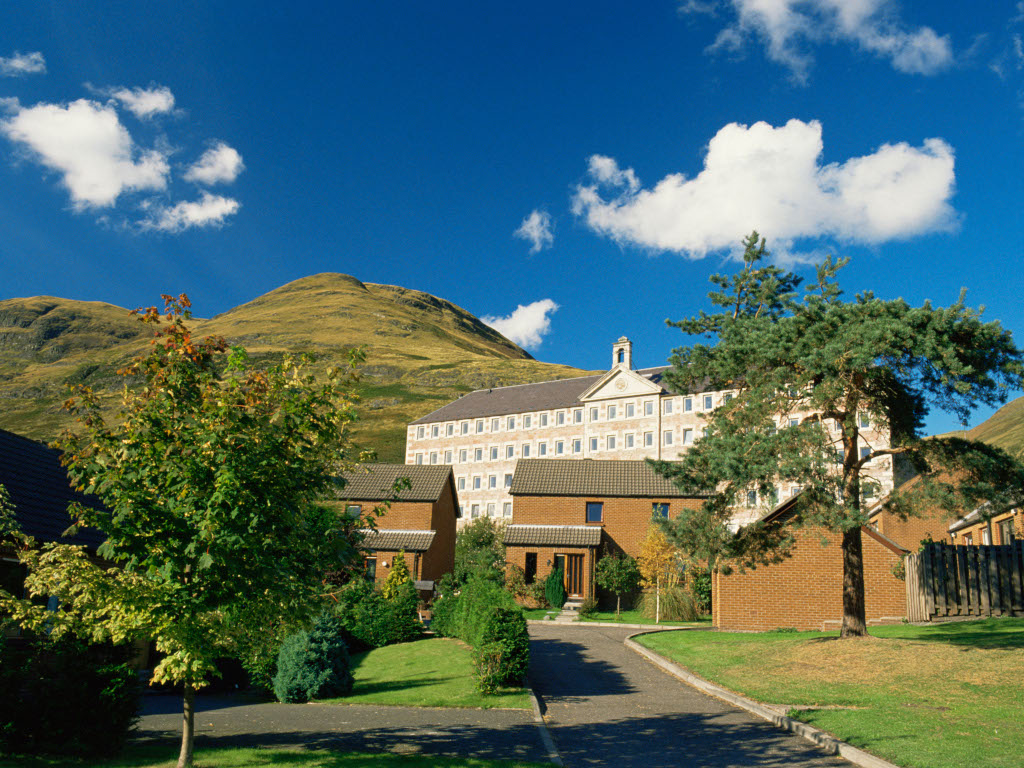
point(314, 664)
point(66, 697)
point(486, 617)
point(554, 588)
point(370, 620)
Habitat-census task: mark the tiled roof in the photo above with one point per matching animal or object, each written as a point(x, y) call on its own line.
point(553, 535)
point(40, 491)
point(588, 477)
point(373, 482)
point(522, 398)
point(384, 540)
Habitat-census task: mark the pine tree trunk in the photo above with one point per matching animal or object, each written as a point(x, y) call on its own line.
point(854, 621)
point(188, 728)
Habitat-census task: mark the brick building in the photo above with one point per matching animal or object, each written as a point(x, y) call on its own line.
point(805, 590)
point(420, 522)
point(569, 513)
point(1003, 528)
point(623, 414)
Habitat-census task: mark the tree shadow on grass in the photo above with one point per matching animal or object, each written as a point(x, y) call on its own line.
point(1003, 634)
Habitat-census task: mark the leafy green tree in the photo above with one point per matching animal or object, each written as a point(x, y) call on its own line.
point(479, 550)
point(212, 478)
point(827, 366)
point(618, 574)
point(398, 576)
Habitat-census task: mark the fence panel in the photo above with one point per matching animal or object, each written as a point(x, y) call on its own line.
point(945, 580)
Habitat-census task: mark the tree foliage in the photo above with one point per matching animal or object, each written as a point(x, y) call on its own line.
point(825, 365)
point(619, 574)
point(398, 576)
point(479, 551)
point(212, 477)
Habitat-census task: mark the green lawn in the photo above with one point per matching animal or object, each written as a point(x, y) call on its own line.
point(940, 696)
point(636, 617)
point(432, 672)
point(152, 756)
point(539, 614)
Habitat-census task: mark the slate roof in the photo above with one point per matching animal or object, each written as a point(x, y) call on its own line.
point(589, 477)
point(384, 540)
point(40, 491)
point(553, 535)
point(373, 482)
point(523, 398)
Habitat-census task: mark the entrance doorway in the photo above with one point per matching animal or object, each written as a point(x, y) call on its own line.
point(572, 567)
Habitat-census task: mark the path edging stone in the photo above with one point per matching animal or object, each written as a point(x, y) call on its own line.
point(542, 726)
point(829, 743)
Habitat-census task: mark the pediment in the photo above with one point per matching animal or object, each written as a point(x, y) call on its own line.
point(620, 382)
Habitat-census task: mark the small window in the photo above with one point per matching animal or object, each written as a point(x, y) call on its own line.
point(794, 422)
point(659, 510)
point(492, 481)
point(447, 457)
point(708, 403)
point(751, 498)
point(577, 416)
point(511, 424)
point(353, 510)
point(531, 568)
point(612, 410)
point(593, 444)
point(495, 425)
point(648, 439)
point(476, 483)
point(986, 536)
point(462, 456)
point(649, 408)
point(526, 450)
point(465, 428)
point(494, 453)
point(577, 446)
point(462, 511)
point(864, 421)
point(506, 509)
point(543, 419)
point(527, 421)
point(475, 510)
point(595, 511)
point(687, 437)
point(668, 437)
point(668, 406)
point(491, 509)
point(462, 483)
point(478, 454)
point(868, 490)
point(434, 431)
point(450, 430)
point(728, 397)
point(370, 570)
point(510, 451)
point(419, 458)
point(593, 414)
point(419, 433)
point(559, 448)
point(1006, 535)
point(609, 442)
point(560, 418)
point(542, 449)
point(630, 410)
point(508, 479)
point(433, 457)
point(865, 452)
point(479, 426)
point(629, 440)
point(688, 404)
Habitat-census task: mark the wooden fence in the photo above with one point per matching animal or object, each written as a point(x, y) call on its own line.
point(944, 580)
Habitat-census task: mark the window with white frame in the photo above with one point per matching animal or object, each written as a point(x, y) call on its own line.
point(491, 509)
point(433, 457)
point(687, 404)
point(865, 452)
point(476, 482)
point(494, 453)
point(648, 439)
point(629, 439)
point(593, 444)
point(419, 458)
point(708, 403)
point(577, 446)
point(479, 426)
point(543, 419)
point(687, 437)
point(478, 454)
point(577, 416)
point(593, 414)
point(630, 410)
point(464, 428)
point(508, 479)
point(559, 448)
point(447, 457)
point(492, 482)
point(794, 422)
point(507, 509)
point(542, 449)
point(526, 450)
point(450, 429)
point(648, 408)
point(612, 410)
point(560, 418)
point(462, 483)
point(609, 442)
point(495, 425)
point(475, 510)
point(462, 456)
point(667, 437)
point(864, 420)
point(751, 500)
point(510, 451)
point(435, 430)
point(527, 421)
point(419, 433)
point(511, 423)
point(668, 405)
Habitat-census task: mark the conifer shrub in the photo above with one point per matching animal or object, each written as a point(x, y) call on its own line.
point(370, 620)
point(66, 697)
point(314, 664)
point(554, 588)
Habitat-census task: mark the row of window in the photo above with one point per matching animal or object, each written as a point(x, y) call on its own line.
point(489, 509)
point(477, 482)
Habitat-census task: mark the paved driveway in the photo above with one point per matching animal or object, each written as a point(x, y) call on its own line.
point(606, 705)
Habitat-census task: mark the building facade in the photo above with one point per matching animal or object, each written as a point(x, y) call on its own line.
point(623, 414)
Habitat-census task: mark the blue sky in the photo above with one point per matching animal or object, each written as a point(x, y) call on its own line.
point(590, 163)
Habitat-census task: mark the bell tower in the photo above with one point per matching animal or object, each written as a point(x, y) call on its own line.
point(622, 354)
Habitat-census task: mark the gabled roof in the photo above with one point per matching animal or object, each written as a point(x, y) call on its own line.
point(373, 482)
point(553, 535)
point(40, 491)
point(390, 540)
point(639, 384)
point(587, 477)
point(524, 398)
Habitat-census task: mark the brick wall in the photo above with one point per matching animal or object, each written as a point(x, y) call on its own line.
point(440, 558)
point(546, 562)
point(910, 532)
point(976, 531)
point(805, 591)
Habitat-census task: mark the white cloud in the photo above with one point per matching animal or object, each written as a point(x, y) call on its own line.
point(527, 325)
point(86, 143)
point(21, 64)
point(219, 163)
point(144, 103)
point(208, 211)
point(788, 27)
point(770, 179)
point(536, 228)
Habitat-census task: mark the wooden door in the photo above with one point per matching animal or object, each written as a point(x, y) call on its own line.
point(574, 575)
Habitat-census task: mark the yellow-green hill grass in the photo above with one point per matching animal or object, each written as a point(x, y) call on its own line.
point(422, 351)
point(431, 672)
point(940, 696)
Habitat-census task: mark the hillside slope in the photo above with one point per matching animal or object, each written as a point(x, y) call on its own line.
point(422, 351)
point(1004, 428)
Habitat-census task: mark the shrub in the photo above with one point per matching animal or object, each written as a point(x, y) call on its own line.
point(677, 604)
point(479, 551)
point(589, 606)
point(369, 620)
point(445, 605)
point(66, 697)
point(700, 587)
point(554, 588)
point(618, 574)
point(515, 581)
point(314, 664)
point(398, 576)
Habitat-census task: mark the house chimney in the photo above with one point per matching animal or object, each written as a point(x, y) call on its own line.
point(622, 354)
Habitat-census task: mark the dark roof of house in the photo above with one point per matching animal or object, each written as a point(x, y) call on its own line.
point(522, 398)
point(588, 477)
point(40, 491)
point(385, 540)
point(374, 482)
point(553, 535)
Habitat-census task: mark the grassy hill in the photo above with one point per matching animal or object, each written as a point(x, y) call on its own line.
point(422, 351)
point(1004, 428)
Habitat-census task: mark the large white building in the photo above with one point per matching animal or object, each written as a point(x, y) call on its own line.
point(621, 414)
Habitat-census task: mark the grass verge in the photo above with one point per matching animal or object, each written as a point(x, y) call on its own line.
point(432, 672)
point(939, 696)
point(155, 756)
point(636, 617)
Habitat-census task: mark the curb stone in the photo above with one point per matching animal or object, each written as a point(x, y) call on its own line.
point(828, 743)
point(614, 625)
point(545, 734)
